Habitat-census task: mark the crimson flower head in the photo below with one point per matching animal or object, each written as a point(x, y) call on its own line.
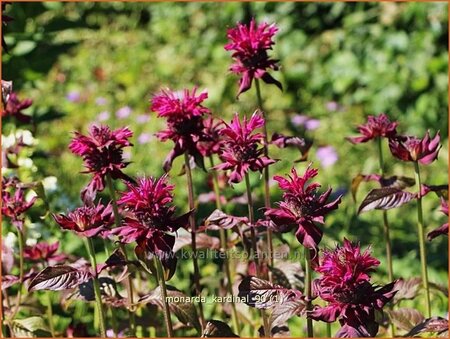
point(185, 127)
point(376, 126)
point(88, 221)
point(43, 251)
point(345, 285)
point(442, 230)
point(14, 204)
point(150, 215)
point(102, 152)
point(14, 108)
point(241, 151)
point(212, 131)
point(250, 45)
point(409, 148)
point(302, 207)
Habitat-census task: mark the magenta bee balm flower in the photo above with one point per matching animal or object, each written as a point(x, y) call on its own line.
point(151, 215)
point(185, 127)
point(302, 207)
point(345, 286)
point(250, 45)
point(14, 204)
point(43, 251)
point(102, 152)
point(409, 148)
point(241, 151)
point(376, 126)
point(88, 221)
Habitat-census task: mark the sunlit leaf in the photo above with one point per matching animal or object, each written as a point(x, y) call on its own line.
point(57, 278)
point(385, 198)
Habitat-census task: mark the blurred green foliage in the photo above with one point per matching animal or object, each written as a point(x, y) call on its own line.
point(340, 63)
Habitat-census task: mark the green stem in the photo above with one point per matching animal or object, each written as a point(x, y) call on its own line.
point(114, 322)
point(129, 285)
point(19, 291)
point(98, 297)
point(193, 236)
point(308, 280)
point(162, 286)
point(328, 330)
point(420, 230)
point(251, 218)
point(50, 313)
point(386, 228)
point(266, 176)
point(224, 245)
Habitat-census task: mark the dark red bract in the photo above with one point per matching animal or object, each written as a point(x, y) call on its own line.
point(43, 251)
point(14, 108)
point(410, 148)
point(88, 221)
point(151, 215)
point(250, 45)
point(442, 230)
point(185, 126)
point(376, 126)
point(242, 149)
point(302, 207)
point(102, 152)
point(345, 285)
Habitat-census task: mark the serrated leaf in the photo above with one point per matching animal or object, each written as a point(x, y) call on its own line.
point(218, 329)
point(262, 294)
point(288, 274)
point(181, 307)
point(283, 312)
point(407, 288)
point(57, 278)
point(405, 318)
point(431, 325)
point(30, 327)
point(385, 198)
point(220, 220)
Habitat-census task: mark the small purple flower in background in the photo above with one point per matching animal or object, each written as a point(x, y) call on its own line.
point(151, 218)
point(332, 106)
point(442, 230)
point(73, 96)
point(101, 101)
point(102, 152)
point(308, 123)
point(240, 152)
point(103, 116)
point(250, 44)
point(345, 286)
point(327, 156)
point(376, 126)
point(14, 108)
point(144, 138)
point(185, 125)
point(143, 118)
point(409, 148)
point(88, 221)
point(123, 112)
point(302, 207)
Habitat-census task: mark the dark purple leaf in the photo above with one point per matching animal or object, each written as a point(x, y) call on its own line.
point(282, 312)
point(261, 293)
point(407, 288)
point(393, 181)
point(440, 190)
point(218, 329)
point(431, 325)
point(405, 318)
point(288, 274)
point(9, 280)
point(57, 278)
point(202, 240)
point(302, 144)
point(385, 198)
point(220, 220)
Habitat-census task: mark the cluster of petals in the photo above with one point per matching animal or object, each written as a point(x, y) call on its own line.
point(345, 286)
point(14, 203)
point(15, 106)
point(376, 126)
point(88, 221)
point(102, 153)
point(302, 207)
point(242, 148)
point(410, 148)
point(150, 215)
point(43, 251)
point(250, 44)
point(185, 124)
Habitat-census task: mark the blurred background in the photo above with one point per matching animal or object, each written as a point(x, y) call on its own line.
point(84, 63)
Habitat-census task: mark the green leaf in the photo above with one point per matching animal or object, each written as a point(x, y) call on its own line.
point(30, 327)
point(23, 47)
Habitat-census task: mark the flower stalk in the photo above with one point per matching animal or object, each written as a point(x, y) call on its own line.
point(98, 297)
point(129, 285)
point(255, 255)
point(50, 313)
point(224, 245)
point(420, 230)
point(21, 273)
point(308, 285)
point(266, 175)
point(193, 235)
point(162, 286)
